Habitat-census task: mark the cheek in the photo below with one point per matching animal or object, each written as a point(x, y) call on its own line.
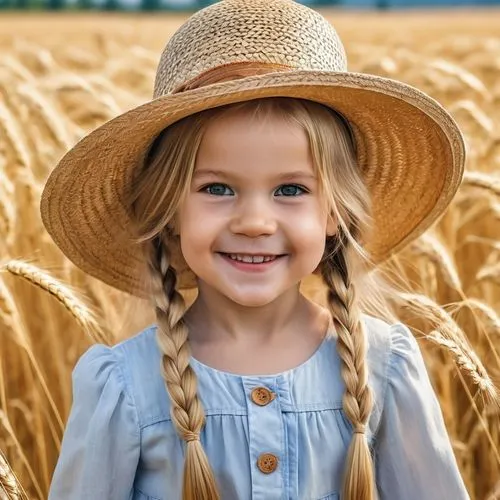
point(193, 247)
point(197, 231)
point(308, 227)
point(193, 237)
point(307, 237)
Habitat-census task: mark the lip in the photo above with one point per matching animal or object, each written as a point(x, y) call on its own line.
point(249, 266)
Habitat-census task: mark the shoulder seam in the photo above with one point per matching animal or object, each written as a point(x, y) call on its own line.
point(128, 391)
point(408, 335)
point(385, 383)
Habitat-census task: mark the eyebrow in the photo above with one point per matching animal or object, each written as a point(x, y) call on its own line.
point(287, 176)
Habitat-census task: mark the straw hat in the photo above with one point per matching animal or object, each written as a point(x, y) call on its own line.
point(409, 148)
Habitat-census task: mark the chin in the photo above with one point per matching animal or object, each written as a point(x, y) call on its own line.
point(252, 299)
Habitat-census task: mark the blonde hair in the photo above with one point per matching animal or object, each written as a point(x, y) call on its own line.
point(158, 189)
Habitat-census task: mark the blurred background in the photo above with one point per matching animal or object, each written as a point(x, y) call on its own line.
point(66, 67)
point(148, 5)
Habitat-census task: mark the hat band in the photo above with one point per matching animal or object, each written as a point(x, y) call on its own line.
point(243, 69)
point(231, 71)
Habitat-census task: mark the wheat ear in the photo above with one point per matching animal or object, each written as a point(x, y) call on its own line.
point(82, 314)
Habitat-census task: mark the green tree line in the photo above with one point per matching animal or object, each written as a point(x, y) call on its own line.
point(145, 5)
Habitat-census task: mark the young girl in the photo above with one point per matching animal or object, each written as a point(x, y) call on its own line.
point(260, 161)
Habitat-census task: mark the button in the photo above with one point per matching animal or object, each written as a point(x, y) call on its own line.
point(262, 396)
point(267, 463)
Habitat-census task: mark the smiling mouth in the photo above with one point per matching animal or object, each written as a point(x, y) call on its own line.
point(251, 258)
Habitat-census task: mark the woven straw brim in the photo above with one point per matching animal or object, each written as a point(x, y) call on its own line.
point(410, 149)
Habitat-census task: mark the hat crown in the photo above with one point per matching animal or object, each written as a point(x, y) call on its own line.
point(281, 33)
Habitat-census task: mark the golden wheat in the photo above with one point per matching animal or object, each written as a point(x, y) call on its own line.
point(46, 116)
point(12, 138)
point(484, 181)
point(430, 247)
point(62, 293)
point(9, 489)
point(448, 334)
point(489, 273)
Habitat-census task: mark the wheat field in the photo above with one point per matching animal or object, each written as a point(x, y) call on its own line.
point(63, 75)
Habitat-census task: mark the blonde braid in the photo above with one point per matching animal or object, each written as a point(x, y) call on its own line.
point(186, 409)
point(351, 346)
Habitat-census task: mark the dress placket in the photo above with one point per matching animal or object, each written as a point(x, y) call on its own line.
point(266, 438)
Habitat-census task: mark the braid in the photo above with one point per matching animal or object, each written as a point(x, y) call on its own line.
point(186, 408)
point(351, 346)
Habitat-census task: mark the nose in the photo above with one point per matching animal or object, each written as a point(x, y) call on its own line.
point(253, 218)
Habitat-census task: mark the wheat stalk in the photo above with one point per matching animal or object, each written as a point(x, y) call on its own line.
point(432, 248)
point(14, 67)
point(82, 314)
point(491, 322)
point(46, 115)
point(489, 273)
point(481, 180)
point(9, 131)
point(9, 486)
point(10, 320)
point(7, 210)
point(492, 318)
point(466, 77)
point(476, 208)
point(467, 361)
point(493, 244)
point(5, 423)
point(7, 222)
point(475, 114)
point(12, 323)
point(35, 58)
point(448, 334)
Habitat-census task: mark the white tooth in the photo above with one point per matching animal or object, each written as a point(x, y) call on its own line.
point(258, 259)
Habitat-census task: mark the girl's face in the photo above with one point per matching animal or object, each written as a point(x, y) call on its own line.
point(254, 197)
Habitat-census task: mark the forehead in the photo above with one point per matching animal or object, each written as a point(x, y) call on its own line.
point(247, 144)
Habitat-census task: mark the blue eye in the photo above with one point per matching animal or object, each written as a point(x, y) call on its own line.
point(218, 189)
point(290, 190)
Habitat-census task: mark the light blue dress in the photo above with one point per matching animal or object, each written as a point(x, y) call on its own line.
point(120, 443)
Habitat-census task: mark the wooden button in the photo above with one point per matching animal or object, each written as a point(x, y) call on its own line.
point(262, 396)
point(267, 463)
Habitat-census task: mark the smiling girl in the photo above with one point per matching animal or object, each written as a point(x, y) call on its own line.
point(260, 161)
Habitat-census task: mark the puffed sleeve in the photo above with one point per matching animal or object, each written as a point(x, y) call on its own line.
point(413, 454)
point(101, 442)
